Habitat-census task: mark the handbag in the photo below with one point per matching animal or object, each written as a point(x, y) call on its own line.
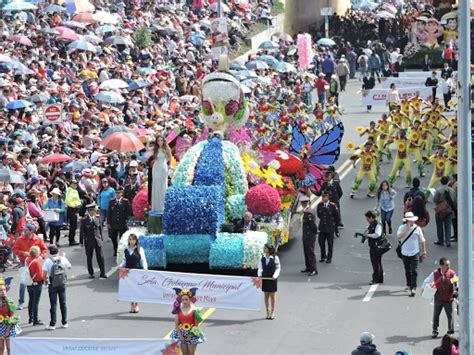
point(399, 247)
point(444, 208)
point(50, 216)
point(383, 246)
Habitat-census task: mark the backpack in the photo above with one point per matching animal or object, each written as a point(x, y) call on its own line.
point(57, 276)
point(25, 276)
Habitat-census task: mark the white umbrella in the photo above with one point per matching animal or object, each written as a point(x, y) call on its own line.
point(83, 46)
point(105, 17)
point(110, 97)
point(214, 7)
point(92, 38)
point(113, 84)
point(119, 40)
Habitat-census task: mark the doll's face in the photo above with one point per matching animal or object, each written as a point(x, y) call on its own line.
point(431, 27)
point(452, 24)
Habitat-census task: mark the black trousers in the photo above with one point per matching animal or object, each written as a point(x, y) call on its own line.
point(115, 235)
point(309, 255)
point(54, 294)
point(448, 309)
point(376, 260)
point(42, 228)
point(99, 256)
point(54, 233)
point(446, 98)
point(411, 270)
point(72, 218)
point(324, 238)
point(34, 293)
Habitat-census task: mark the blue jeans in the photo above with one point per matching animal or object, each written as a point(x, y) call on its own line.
point(443, 229)
point(21, 300)
point(386, 218)
point(103, 216)
point(54, 294)
point(34, 293)
point(321, 98)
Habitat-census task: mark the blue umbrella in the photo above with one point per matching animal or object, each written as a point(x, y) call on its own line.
point(237, 66)
point(268, 45)
point(82, 45)
point(283, 67)
point(197, 38)
point(257, 65)
point(18, 104)
point(365, 5)
point(19, 6)
point(76, 165)
point(146, 70)
point(106, 28)
point(326, 42)
point(54, 8)
point(270, 60)
point(110, 97)
point(137, 84)
point(248, 73)
point(115, 129)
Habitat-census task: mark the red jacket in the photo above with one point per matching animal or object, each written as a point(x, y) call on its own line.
point(35, 267)
point(24, 244)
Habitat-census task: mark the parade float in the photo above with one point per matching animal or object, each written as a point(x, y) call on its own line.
point(210, 188)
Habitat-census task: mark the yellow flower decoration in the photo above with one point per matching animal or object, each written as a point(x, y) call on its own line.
point(367, 160)
point(396, 119)
point(440, 164)
point(360, 129)
point(401, 146)
point(251, 165)
point(2, 318)
point(272, 178)
point(185, 293)
point(454, 152)
point(350, 146)
point(415, 136)
point(186, 326)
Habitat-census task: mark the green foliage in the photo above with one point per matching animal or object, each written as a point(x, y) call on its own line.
point(143, 37)
point(416, 61)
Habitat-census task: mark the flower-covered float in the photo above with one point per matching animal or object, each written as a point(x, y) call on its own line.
point(210, 187)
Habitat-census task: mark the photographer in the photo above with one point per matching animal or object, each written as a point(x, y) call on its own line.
point(374, 234)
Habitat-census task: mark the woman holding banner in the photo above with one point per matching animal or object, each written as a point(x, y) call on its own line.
point(269, 270)
point(186, 320)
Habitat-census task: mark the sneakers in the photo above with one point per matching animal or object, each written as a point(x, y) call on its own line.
point(312, 273)
point(103, 277)
point(64, 326)
point(434, 335)
point(50, 327)
point(20, 306)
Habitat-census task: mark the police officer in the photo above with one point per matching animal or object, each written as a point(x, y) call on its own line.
point(132, 188)
point(91, 239)
point(309, 237)
point(335, 192)
point(374, 233)
point(328, 222)
point(117, 216)
point(73, 203)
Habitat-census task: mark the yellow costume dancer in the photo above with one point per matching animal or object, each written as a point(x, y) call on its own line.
point(402, 159)
point(415, 104)
point(383, 127)
point(415, 146)
point(399, 119)
point(439, 161)
point(452, 161)
point(405, 110)
point(367, 168)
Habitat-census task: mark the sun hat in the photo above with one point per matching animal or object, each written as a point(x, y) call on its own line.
point(409, 216)
point(56, 191)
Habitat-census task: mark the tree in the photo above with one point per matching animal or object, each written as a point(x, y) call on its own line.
point(143, 37)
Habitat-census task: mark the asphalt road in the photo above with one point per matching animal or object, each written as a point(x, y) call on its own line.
point(324, 314)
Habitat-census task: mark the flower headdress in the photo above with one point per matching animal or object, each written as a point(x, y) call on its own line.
point(191, 293)
point(6, 282)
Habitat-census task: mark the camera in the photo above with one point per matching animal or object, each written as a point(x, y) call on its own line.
point(357, 234)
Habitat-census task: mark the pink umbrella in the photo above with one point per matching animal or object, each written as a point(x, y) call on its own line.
point(142, 132)
point(4, 58)
point(67, 33)
point(20, 39)
point(85, 17)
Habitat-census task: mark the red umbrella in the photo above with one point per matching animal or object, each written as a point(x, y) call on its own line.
point(20, 39)
point(55, 158)
point(123, 142)
point(85, 17)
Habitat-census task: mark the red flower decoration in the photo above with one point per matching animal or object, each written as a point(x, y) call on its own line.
point(123, 273)
point(171, 349)
point(140, 204)
point(263, 200)
point(231, 108)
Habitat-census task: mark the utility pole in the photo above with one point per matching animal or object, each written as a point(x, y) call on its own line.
point(465, 251)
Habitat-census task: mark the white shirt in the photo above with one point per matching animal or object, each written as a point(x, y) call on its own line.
point(32, 170)
point(143, 262)
point(49, 262)
point(394, 57)
point(378, 232)
point(412, 245)
point(267, 260)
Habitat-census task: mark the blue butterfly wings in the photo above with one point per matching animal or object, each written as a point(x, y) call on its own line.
point(324, 150)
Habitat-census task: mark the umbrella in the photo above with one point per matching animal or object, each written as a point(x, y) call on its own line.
point(21, 39)
point(385, 14)
point(187, 98)
point(283, 36)
point(49, 31)
point(146, 71)
point(116, 129)
point(245, 5)
point(113, 84)
point(365, 5)
point(67, 33)
point(55, 158)
point(283, 67)
point(197, 38)
point(85, 17)
point(11, 176)
point(249, 83)
point(110, 97)
point(18, 104)
point(123, 142)
point(119, 40)
point(291, 50)
point(54, 8)
point(105, 17)
point(257, 65)
point(205, 23)
point(19, 6)
point(74, 24)
point(137, 84)
point(264, 80)
point(83, 46)
point(142, 132)
point(214, 7)
point(92, 38)
point(106, 29)
point(248, 73)
point(268, 59)
point(328, 42)
point(39, 98)
point(19, 68)
point(237, 66)
point(77, 165)
point(4, 58)
point(268, 45)
point(246, 89)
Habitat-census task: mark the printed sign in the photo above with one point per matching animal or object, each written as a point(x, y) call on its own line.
point(406, 82)
point(379, 96)
point(220, 37)
point(231, 292)
point(53, 114)
point(38, 346)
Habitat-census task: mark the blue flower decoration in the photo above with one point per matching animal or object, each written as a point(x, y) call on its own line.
point(227, 251)
point(154, 248)
point(187, 249)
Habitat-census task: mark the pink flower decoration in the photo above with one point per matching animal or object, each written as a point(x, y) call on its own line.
point(263, 200)
point(140, 204)
point(207, 106)
point(231, 108)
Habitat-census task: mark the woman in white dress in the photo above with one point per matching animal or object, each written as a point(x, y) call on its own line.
point(162, 156)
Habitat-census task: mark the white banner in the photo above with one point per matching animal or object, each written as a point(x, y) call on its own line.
point(406, 82)
point(424, 74)
point(379, 96)
point(219, 291)
point(64, 346)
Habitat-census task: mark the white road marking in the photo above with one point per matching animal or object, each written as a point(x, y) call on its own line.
point(370, 293)
point(112, 271)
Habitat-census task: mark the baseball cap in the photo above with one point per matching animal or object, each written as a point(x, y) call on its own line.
point(30, 227)
point(366, 338)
